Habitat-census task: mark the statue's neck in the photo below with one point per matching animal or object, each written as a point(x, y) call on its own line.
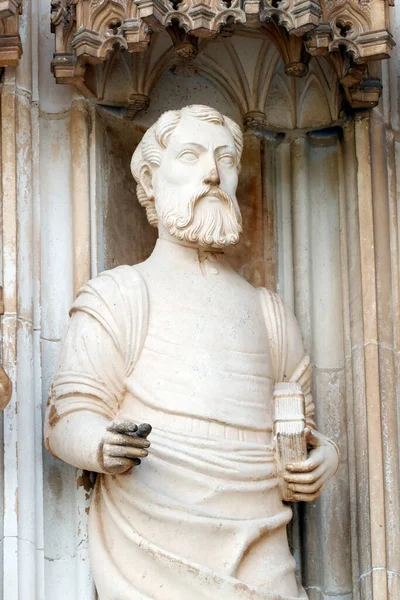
point(163, 234)
point(184, 257)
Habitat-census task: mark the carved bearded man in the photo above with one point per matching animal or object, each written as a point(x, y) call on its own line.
point(185, 344)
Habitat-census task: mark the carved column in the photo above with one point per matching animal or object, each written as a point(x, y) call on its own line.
point(80, 179)
point(309, 195)
point(284, 268)
point(326, 552)
point(301, 235)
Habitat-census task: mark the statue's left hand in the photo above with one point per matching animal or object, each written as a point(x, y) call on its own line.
point(5, 389)
point(307, 478)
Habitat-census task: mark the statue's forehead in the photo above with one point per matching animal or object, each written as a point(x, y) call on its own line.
point(195, 131)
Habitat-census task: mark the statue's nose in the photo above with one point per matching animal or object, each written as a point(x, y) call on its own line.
point(212, 178)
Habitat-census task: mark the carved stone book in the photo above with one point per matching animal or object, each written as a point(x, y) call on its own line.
point(289, 430)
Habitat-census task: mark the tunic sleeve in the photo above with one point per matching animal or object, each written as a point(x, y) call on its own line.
point(105, 336)
point(287, 350)
point(298, 365)
point(91, 369)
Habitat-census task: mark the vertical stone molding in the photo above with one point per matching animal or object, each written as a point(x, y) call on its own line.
point(373, 458)
point(369, 375)
point(386, 310)
point(80, 124)
point(9, 330)
point(80, 190)
point(22, 545)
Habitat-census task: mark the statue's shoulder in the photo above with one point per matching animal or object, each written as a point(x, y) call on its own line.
point(122, 279)
point(120, 274)
point(117, 290)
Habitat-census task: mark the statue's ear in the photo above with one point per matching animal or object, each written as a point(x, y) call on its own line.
point(146, 180)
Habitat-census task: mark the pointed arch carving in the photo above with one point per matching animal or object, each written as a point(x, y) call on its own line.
point(280, 105)
point(264, 74)
point(231, 88)
point(303, 103)
point(248, 82)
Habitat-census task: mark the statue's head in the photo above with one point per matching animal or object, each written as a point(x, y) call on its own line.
point(186, 168)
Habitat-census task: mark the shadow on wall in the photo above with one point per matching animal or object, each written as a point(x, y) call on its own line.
point(124, 234)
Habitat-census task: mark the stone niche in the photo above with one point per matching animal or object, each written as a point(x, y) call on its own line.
point(291, 197)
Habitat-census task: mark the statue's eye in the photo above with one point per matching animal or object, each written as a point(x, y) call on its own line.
point(188, 156)
point(227, 159)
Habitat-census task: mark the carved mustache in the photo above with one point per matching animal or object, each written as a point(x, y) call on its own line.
point(210, 190)
point(206, 190)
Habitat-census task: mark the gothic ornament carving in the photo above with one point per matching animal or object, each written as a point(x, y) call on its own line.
point(10, 41)
point(354, 26)
point(291, 48)
point(360, 88)
point(200, 18)
point(89, 32)
point(297, 16)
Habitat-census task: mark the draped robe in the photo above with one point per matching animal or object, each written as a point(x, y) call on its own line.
point(180, 342)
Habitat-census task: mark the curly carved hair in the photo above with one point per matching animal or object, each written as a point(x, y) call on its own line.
point(155, 140)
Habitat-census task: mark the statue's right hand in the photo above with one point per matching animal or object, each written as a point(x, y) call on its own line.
point(124, 444)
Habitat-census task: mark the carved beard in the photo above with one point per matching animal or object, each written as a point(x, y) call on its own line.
point(208, 224)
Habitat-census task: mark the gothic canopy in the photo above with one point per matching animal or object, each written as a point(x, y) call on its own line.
point(351, 34)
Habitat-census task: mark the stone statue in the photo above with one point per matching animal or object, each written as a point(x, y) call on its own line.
point(5, 389)
point(184, 343)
